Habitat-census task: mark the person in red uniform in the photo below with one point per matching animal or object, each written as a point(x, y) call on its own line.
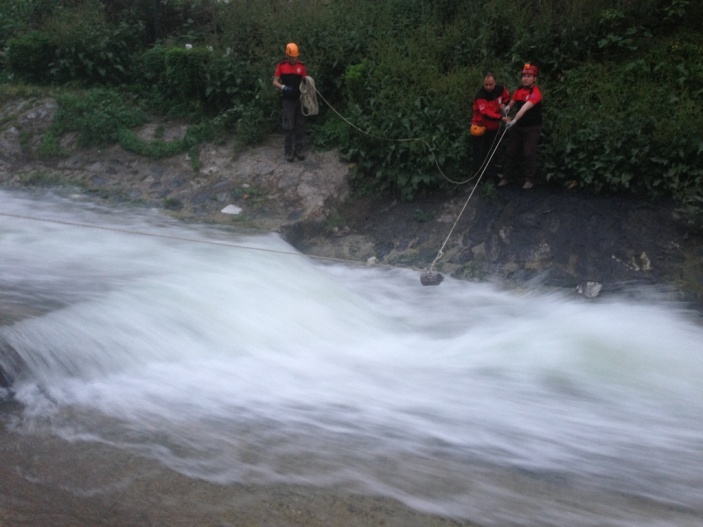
point(289, 74)
point(525, 129)
point(485, 123)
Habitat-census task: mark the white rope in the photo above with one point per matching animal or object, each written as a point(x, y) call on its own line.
point(307, 93)
point(401, 140)
point(482, 171)
point(189, 240)
point(304, 89)
point(308, 97)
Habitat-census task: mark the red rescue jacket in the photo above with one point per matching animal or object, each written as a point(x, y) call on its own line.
point(532, 94)
point(487, 107)
point(291, 75)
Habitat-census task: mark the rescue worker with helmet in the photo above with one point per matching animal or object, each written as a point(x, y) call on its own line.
point(289, 74)
point(485, 123)
point(526, 128)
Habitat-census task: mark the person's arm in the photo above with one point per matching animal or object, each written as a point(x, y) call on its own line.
point(507, 108)
point(485, 109)
point(277, 83)
point(505, 101)
point(525, 108)
point(534, 98)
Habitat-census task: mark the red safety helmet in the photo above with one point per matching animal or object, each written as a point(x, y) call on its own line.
point(530, 69)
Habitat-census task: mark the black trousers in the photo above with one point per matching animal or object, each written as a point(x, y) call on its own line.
point(521, 153)
point(482, 148)
point(293, 126)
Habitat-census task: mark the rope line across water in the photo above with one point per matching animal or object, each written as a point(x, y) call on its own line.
point(310, 107)
point(185, 239)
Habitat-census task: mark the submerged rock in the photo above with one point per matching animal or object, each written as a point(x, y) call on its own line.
point(589, 289)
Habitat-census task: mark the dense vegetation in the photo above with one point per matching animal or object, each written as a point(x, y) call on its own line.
point(623, 80)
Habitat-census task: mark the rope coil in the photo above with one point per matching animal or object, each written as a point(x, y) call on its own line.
point(308, 97)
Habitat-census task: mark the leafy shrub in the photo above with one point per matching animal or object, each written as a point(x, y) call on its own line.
point(19, 17)
point(615, 134)
point(622, 81)
point(75, 45)
point(30, 56)
point(184, 73)
point(97, 116)
point(196, 80)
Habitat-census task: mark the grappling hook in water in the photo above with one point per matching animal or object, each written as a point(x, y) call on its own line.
point(431, 278)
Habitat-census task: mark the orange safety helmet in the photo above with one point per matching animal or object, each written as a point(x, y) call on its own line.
point(292, 50)
point(530, 70)
point(477, 130)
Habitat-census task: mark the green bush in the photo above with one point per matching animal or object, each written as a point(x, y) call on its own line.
point(623, 81)
point(18, 17)
point(30, 56)
point(97, 116)
point(77, 46)
point(197, 80)
point(184, 75)
point(616, 133)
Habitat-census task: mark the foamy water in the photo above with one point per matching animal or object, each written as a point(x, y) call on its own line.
point(232, 358)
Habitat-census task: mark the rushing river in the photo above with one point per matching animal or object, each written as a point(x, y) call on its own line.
point(231, 358)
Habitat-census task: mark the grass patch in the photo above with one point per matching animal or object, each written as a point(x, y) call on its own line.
point(11, 92)
point(334, 222)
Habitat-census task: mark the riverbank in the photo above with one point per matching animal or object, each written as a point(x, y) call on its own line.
point(555, 237)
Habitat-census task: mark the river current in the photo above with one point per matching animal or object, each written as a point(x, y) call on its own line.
point(232, 358)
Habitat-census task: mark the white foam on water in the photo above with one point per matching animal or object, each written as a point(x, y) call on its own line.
point(232, 358)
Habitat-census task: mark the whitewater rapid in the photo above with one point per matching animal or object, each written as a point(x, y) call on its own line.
point(233, 358)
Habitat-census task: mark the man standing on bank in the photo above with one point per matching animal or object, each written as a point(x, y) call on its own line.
point(526, 128)
point(487, 112)
point(289, 74)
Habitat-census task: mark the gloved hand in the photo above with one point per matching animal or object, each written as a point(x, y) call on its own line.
point(506, 110)
point(286, 89)
point(510, 124)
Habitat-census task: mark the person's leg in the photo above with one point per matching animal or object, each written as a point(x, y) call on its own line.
point(512, 156)
point(288, 125)
point(479, 153)
point(530, 142)
point(299, 146)
point(490, 144)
